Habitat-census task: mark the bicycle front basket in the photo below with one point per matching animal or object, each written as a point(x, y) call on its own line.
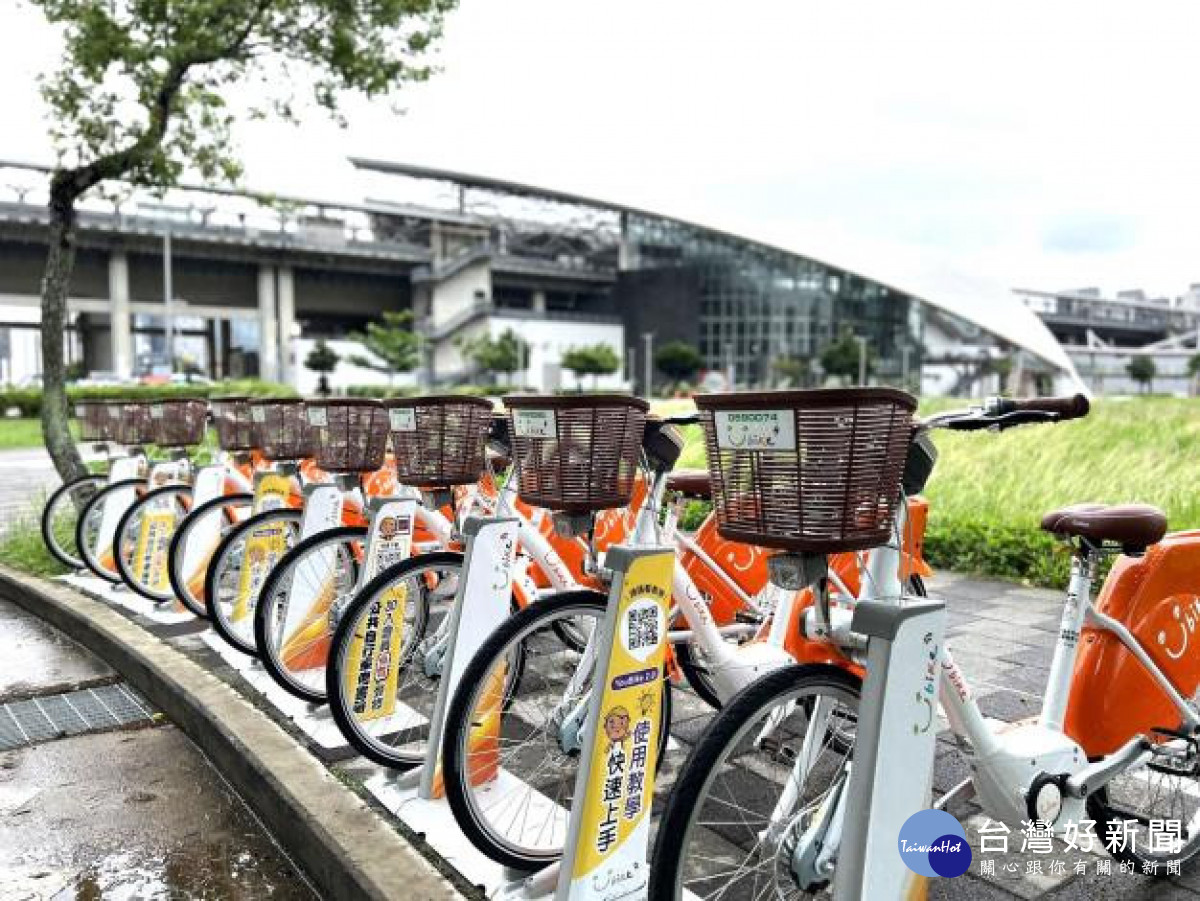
point(137, 424)
point(578, 453)
point(813, 471)
point(180, 422)
point(348, 435)
point(235, 428)
point(440, 440)
point(281, 428)
point(95, 423)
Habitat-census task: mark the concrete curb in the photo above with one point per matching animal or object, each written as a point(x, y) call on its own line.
point(344, 847)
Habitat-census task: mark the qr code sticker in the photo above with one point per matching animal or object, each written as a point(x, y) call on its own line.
point(643, 628)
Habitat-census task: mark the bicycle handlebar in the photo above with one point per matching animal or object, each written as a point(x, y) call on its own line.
point(1075, 407)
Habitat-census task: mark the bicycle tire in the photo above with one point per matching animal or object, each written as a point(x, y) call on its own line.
point(59, 495)
point(265, 646)
point(702, 765)
point(177, 550)
point(341, 706)
point(123, 570)
point(95, 505)
point(460, 714)
point(212, 578)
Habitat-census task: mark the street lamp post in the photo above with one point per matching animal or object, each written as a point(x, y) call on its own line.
point(168, 292)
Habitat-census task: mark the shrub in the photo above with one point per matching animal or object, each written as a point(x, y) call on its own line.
point(29, 400)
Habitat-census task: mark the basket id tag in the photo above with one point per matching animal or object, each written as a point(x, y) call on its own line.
point(755, 430)
point(156, 412)
point(317, 417)
point(258, 414)
point(535, 423)
point(402, 419)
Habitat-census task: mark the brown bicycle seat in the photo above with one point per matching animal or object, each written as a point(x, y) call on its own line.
point(690, 483)
point(1133, 526)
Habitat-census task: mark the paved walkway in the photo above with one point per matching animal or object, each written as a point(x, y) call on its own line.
point(123, 806)
point(26, 477)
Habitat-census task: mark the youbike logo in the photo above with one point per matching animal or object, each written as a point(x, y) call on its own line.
point(933, 843)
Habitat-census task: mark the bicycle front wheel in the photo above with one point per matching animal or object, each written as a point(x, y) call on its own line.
point(298, 607)
point(141, 546)
point(94, 539)
point(510, 754)
point(752, 787)
point(386, 662)
point(61, 515)
point(241, 564)
point(195, 542)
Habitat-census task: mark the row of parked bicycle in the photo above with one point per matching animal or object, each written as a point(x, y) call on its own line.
point(293, 546)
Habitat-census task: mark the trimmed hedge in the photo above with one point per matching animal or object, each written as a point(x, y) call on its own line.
point(383, 391)
point(29, 400)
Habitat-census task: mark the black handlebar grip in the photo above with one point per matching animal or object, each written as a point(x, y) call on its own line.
point(1075, 407)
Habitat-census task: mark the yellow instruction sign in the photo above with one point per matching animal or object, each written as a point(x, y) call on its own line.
point(610, 843)
point(150, 553)
point(374, 656)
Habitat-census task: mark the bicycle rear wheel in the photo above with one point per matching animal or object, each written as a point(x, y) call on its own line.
point(316, 577)
point(147, 576)
point(240, 565)
point(519, 817)
point(752, 786)
point(60, 517)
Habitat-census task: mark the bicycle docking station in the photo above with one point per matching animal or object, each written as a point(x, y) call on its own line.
point(608, 826)
point(481, 606)
point(892, 772)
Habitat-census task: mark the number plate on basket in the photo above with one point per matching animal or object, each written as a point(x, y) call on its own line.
point(114, 412)
point(402, 419)
point(764, 430)
point(317, 418)
point(535, 424)
point(156, 412)
point(258, 414)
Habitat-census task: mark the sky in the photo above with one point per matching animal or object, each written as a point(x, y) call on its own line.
point(1038, 145)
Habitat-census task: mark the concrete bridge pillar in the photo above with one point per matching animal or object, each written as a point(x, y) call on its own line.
point(287, 324)
point(120, 323)
point(268, 325)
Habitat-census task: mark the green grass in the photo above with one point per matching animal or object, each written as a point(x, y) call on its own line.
point(16, 433)
point(989, 491)
point(22, 547)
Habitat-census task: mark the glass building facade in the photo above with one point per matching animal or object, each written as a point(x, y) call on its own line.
point(757, 305)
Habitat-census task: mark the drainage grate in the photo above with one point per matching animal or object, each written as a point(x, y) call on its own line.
point(98, 709)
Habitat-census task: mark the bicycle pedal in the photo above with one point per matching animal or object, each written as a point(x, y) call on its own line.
point(1170, 758)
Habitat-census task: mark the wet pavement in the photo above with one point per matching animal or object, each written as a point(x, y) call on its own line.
point(133, 812)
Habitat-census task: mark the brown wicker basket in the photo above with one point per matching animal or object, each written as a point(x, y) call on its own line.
point(137, 425)
point(440, 440)
point(95, 423)
point(281, 428)
point(814, 471)
point(179, 422)
point(348, 435)
point(579, 453)
point(235, 428)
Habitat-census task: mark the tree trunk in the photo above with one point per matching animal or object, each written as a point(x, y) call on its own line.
point(56, 283)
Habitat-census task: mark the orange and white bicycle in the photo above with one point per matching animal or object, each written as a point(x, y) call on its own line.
point(1115, 745)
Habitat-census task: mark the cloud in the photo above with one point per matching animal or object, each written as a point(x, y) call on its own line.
point(1090, 233)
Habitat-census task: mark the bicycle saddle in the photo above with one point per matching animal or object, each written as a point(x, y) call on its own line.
point(1133, 526)
point(691, 483)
